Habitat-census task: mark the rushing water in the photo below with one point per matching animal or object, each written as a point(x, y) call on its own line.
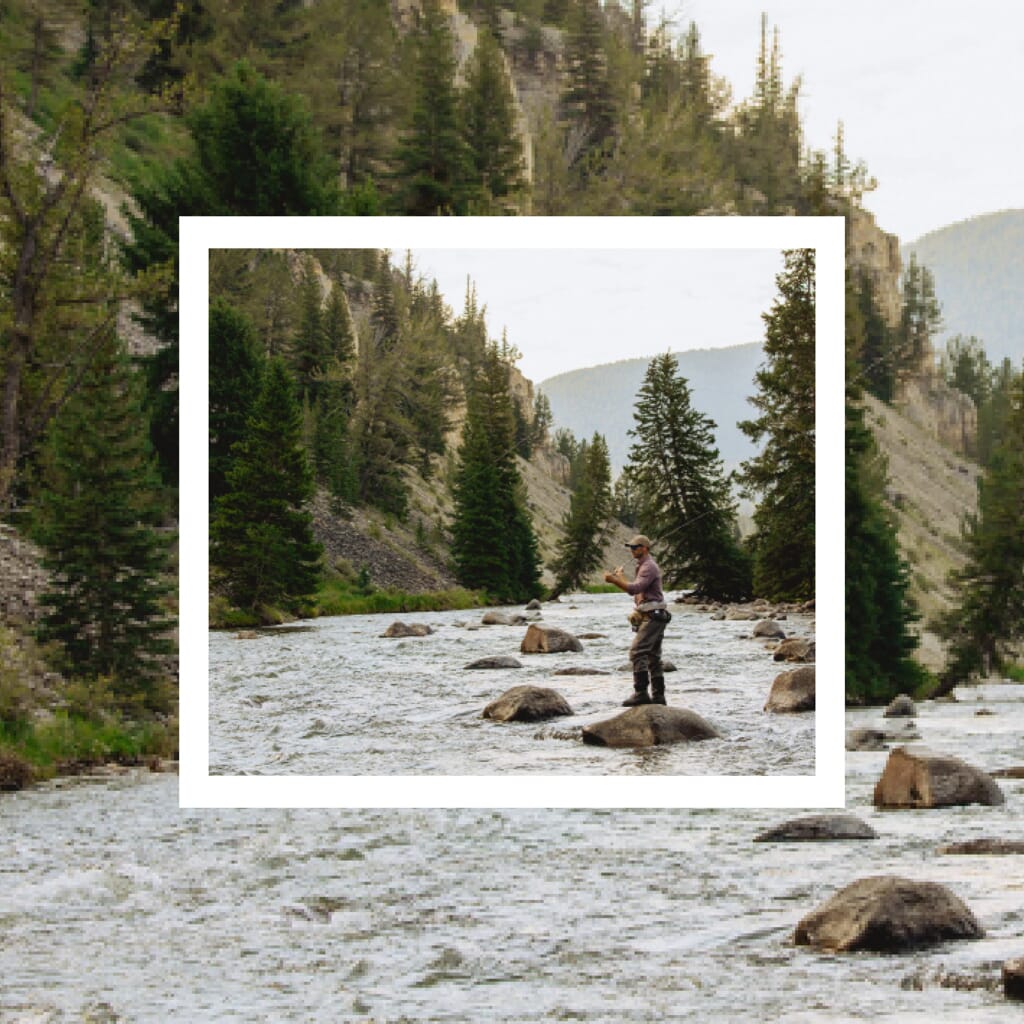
point(332, 697)
point(116, 905)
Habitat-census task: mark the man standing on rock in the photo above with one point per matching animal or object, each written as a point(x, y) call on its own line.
point(649, 619)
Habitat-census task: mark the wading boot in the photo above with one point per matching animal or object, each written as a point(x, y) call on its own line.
point(641, 680)
point(658, 689)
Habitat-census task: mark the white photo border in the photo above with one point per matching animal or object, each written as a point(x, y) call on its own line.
point(826, 235)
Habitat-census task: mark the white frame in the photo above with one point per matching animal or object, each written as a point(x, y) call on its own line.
point(198, 235)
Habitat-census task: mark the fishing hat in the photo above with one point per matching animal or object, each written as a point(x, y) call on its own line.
point(637, 541)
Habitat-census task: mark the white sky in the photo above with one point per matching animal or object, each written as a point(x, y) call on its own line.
point(566, 309)
point(929, 92)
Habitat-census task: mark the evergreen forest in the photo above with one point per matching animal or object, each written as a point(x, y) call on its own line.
point(119, 116)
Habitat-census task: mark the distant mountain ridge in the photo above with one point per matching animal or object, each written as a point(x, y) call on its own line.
point(601, 398)
point(978, 265)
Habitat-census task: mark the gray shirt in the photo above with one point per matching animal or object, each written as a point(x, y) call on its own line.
point(646, 585)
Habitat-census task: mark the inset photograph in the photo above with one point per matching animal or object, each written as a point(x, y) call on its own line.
point(512, 511)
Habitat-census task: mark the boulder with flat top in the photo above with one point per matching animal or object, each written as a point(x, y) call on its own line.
point(402, 629)
point(792, 691)
point(914, 776)
point(887, 914)
point(548, 640)
point(650, 725)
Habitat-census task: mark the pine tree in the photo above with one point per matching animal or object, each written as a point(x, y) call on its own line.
point(236, 368)
point(309, 353)
point(494, 547)
point(783, 474)
point(877, 357)
point(585, 525)
point(683, 497)
point(489, 125)
point(588, 97)
point(432, 160)
point(990, 619)
point(920, 320)
point(261, 535)
point(95, 519)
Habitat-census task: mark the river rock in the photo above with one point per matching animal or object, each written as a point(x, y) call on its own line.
point(741, 615)
point(769, 629)
point(495, 661)
point(502, 619)
point(247, 634)
point(401, 629)
point(818, 827)
point(534, 606)
point(1016, 772)
point(917, 777)
point(527, 704)
point(866, 739)
point(792, 691)
point(887, 914)
point(900, 707)
point(649, 725)
point(582, 670)
point(548, 640)
point(996, 847)
point(795, 649)
point(591, 636)
point(1013, 978)
point(666, 666)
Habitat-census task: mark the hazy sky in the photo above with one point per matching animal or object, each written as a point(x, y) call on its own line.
point(928, 91)
point(565, 309)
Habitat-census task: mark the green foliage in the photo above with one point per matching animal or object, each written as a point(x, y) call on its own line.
point(493, 544)
point(782, 476)
point(682, 496)
point(261, 536)
point(920, 319)
point(989, 621)
point(94, 518)
point(585, 526)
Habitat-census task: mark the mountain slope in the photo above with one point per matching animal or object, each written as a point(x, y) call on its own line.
point(601, 398)
point(978, 266)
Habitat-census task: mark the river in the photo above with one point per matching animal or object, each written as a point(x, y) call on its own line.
point(117, 906)
point(331, 697)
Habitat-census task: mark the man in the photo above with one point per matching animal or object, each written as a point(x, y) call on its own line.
point(649, 618)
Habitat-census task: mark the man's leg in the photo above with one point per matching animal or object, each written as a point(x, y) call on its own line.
point(639, 655)
point(654, 666)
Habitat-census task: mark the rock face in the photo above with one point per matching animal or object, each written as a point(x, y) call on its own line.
point(792, 691)
point(900, 706)
point(401, 629)
point(497, 661)
point(769, 629)
point(22, 577)
point(916, 777)
point(887, 914)
point(541, 640)
point(795, 650)
point(650, 725)
point(527, 704)
point(817, 828)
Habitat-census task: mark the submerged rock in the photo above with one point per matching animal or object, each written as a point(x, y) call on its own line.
point(1016, 772)
point(917, 777)
point(527, 704)
point(502, 619)
point(866, 739)
point(401, 629)
point(817, 828)
point(792, 691)
point(650, 725)
point(548, 640)
point(998, 847)
point(534, 606)
point(582, 670)
point(887, 914)
point(496, 661)
point(900, 707)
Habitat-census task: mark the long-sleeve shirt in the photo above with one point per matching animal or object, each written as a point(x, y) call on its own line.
point(646, 585)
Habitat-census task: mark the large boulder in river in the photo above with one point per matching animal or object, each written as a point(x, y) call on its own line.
point(527, 704)
point(548, 640)
point(887, 914)
point(650, 725)
point(495, 661)
point(402, 629)
point(916, 777)
point(900, 706)
point(795, 649)
point(817, 828)
point(792, 691)
point(769, 629)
